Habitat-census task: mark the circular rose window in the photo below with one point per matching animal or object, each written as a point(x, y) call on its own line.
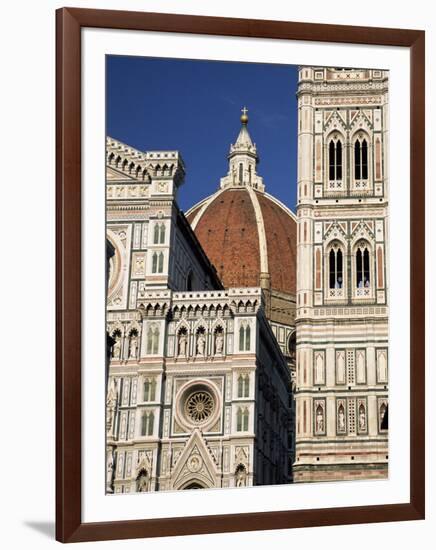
point(199, 406)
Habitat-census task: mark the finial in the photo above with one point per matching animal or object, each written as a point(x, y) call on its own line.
point(244, 117)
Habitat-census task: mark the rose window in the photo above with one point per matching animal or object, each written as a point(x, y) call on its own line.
point(199, 406)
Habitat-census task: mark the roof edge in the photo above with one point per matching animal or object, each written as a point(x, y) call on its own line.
point(283, 206)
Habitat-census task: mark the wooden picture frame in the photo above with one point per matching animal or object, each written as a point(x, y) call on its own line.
point(69, 526)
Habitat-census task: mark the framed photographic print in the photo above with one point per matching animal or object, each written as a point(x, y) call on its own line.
point(240, 275)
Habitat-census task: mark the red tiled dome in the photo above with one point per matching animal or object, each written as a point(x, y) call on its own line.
point(245, 232)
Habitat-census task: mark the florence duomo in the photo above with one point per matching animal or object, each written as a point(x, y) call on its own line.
point(248, 344)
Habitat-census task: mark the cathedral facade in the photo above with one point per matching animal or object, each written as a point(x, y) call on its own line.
point(342, 275)
point(199, 390)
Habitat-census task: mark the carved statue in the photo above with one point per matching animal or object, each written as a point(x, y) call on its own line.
point(110, 471)
point(319, 420)
point(183, 342)
point(201, 344)
point(362, 419)
point(116, 350)
point(219, 342)
point(241, 476)
point(142, 482)
point(341, 419)
point(111, 403)
point(133, 346)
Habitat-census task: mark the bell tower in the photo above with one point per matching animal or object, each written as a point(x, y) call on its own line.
point(342, 275)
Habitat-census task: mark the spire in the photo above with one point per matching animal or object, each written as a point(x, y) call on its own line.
point(243, 141)
point(243, 159)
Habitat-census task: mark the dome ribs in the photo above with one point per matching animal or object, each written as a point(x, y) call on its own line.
point(280, 231)
point(228, 233)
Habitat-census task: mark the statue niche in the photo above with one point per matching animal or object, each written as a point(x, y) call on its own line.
point(219, 341)
point(111, 404)
point(143, 481)
point(201, 342)
point(110, 467)
point(362, 418)
point(341, 419)
point(241, 476)
point(116, 349)
point(133, 344)
point(182, 342)
point(319, 419)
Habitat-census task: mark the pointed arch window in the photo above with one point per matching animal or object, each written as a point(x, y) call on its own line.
point(363, 276)
point(244, 337)
point(335, 259)
point(361, 159)
point(335, 160)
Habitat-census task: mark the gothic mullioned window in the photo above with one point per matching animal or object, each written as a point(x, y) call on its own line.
point(244, 338)
point(363, 276)
point(335, 259)
point(243, 385)
point(147, 423)
point(149, 389)
point(159, 233)
point(242, 417)
point(335, 160)
point(157, 262)
point(361, 159)
point(153, 340)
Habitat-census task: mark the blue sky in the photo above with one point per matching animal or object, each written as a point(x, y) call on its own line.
point(195, 107)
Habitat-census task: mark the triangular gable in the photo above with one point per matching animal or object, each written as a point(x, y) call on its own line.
point(368, 115)
point(362, 229)
point(361, 121)
point(327, 115)
point(335, 122)
point(337, 231)
point(353, 226)
point(195, 462)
